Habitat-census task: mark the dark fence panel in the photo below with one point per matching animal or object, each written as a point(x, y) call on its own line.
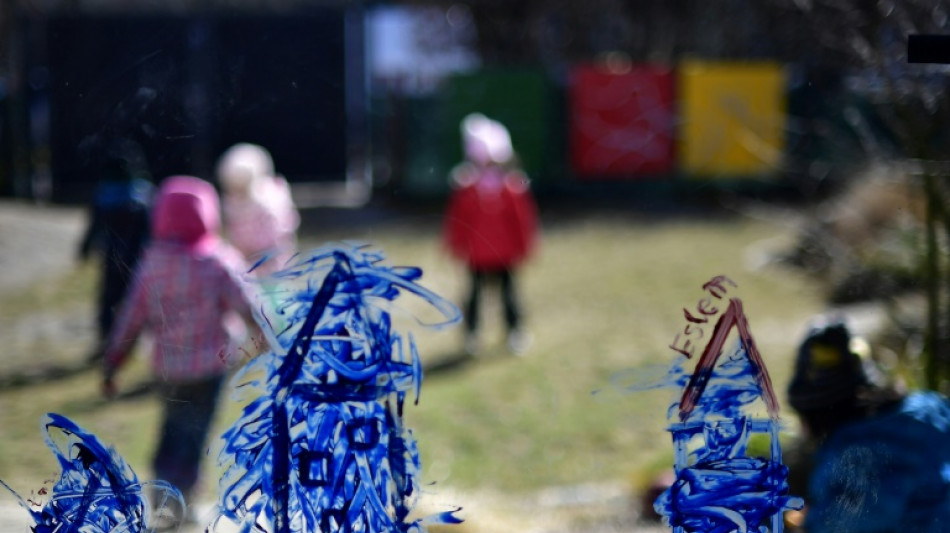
point(184, 89)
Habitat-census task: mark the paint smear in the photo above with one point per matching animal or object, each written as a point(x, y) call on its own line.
point(97, 491)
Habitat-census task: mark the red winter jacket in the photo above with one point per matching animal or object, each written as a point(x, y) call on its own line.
point(491, 221)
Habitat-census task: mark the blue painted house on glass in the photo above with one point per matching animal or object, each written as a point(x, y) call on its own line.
point(323, 448)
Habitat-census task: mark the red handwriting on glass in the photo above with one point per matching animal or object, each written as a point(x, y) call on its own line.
point(686, 340)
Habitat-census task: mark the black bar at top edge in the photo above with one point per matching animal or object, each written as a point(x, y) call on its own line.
point(928, 49)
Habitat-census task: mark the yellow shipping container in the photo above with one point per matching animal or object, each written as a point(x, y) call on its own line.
point(732, 118)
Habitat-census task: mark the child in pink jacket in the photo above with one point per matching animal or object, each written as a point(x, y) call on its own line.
point(188, 293)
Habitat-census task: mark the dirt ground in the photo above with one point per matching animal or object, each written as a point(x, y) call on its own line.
point(36, 242)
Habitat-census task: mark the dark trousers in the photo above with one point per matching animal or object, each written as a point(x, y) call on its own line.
point(115, 281)
point(504, 279)
point(188, 411)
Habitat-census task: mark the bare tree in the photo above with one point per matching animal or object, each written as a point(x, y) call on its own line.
point(869, 38)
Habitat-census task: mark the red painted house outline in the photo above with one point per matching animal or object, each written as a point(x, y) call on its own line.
point(733, 317)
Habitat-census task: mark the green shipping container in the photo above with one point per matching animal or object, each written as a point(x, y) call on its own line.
point(521, 99)
point(524, 100)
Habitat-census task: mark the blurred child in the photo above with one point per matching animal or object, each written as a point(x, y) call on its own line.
point(260, 218)
point(118, 228)
point(187, 293)
point(881, 454)
point(491, 223)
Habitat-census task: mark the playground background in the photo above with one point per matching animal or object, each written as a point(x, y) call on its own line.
point(552, 441)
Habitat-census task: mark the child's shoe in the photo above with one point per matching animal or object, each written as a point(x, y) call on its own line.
point(471, 345)
point(519, 341)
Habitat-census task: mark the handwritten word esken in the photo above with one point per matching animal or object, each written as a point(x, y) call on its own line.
point(685, 341)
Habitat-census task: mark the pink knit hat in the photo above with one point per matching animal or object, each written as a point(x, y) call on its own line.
point(186, 212)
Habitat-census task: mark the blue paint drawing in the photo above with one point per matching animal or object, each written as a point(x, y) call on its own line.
point(97, 491)
point(323, 447)
point(718, 488)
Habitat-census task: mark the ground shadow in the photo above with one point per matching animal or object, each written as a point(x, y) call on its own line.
point(137, 391)
point(129, 393)
point(444, 365)
point(42, 374)
point(448, 364)
point(458, 361)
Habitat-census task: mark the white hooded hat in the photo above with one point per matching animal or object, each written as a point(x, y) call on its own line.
point(485, 140)
point(242, 164)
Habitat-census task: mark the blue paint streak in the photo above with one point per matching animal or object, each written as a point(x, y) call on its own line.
point(731, 390)
point(323, 448)
point(930, 409)
point(97, 491)
point(726, 495)
point(652, 377)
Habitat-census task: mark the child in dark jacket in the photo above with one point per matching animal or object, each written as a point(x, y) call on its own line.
point(881, 455)
point(118, 228)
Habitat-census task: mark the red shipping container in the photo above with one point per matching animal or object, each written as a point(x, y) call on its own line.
point(621, 121)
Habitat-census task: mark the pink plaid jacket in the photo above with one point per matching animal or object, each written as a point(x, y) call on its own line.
point(191, 303)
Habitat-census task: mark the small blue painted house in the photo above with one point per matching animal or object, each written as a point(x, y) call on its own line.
point(324, 448)
point(718, 487)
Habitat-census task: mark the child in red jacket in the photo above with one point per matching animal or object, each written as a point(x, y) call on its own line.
point(491, 222)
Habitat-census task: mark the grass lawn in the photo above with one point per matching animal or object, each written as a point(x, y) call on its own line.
point(603, 298)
